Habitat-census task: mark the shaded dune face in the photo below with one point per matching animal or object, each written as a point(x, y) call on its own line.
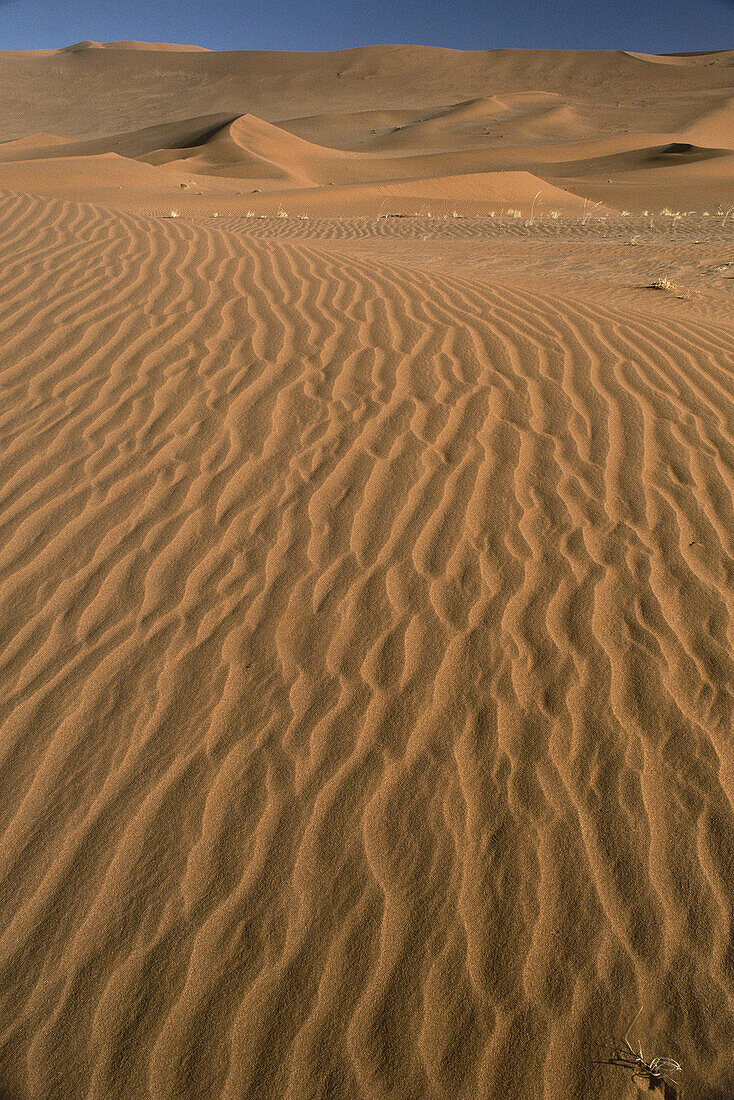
point(290, 127)
point(367, 673)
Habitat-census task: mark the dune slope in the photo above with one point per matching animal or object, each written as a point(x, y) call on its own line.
point(275, 122)
point(367, 674)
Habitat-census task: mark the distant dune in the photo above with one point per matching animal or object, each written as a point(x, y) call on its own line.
point(379, 114)
point(366, 573)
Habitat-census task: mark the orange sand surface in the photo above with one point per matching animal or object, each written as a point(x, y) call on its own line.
point(366, 562)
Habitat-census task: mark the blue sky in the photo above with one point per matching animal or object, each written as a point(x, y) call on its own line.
point(653, 26)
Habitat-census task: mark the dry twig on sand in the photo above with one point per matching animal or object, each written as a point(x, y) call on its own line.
point(653, 1075)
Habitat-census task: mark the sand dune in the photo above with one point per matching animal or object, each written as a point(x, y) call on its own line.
point(182, 134)
point(377, 115)
point(704, 57)
point(367, 663)
point(366, 560)
point(156, 47)
point(532, 117)
point(715, 126)
point(249, 148)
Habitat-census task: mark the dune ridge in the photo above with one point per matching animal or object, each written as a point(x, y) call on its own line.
point(590, 123)
point(367, 663)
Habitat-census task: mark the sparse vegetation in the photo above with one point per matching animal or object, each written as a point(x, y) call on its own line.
point(662, 284)
point(657, 1073)
point(589, 209)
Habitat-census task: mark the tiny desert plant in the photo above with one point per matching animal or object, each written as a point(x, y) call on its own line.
point(656, 1073)
point(589, 209)
point(282, 213)
point(173, 214)
point(512, 213)
point(662, 284)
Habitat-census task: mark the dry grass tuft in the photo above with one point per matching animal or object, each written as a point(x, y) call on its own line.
point(655, 1074)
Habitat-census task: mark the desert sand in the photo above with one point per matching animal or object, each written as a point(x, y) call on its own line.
point(366, 562)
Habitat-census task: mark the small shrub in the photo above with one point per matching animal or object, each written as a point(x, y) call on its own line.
point(662, 284)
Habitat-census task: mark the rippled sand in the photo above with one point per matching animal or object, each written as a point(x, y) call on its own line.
point(366, 650)
point(366, 561)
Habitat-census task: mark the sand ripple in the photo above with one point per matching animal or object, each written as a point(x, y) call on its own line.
point(366, 651)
